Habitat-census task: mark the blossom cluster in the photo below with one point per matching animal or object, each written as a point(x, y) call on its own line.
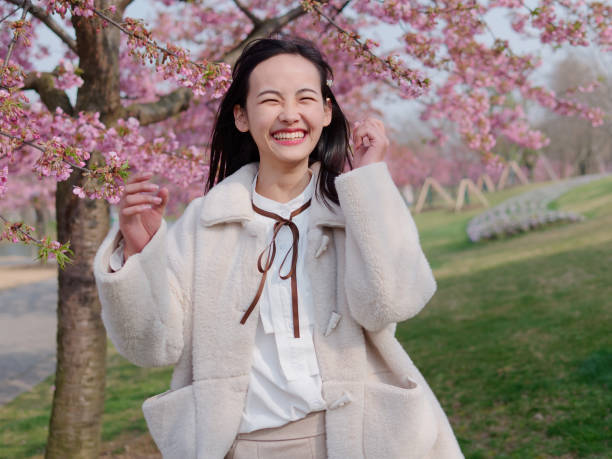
point(411, 82)
point(63, 144)
point(483, 79)
point(526, 211)
point(171, 61)
point(16, 232)
point(83, 8)
point(67, 76)
point(3, 180)
point(175, 63)
point(22, 31)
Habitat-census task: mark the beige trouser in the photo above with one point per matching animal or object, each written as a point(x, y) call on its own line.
point(302, 439)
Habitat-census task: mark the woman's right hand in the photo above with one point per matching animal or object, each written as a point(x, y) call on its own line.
point(140, 212)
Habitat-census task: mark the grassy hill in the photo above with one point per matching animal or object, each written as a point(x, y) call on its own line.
point(516, 343)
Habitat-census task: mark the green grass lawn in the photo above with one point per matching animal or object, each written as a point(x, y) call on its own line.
point(516, 343)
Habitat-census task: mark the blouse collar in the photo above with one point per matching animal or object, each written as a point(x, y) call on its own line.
point(283, 209)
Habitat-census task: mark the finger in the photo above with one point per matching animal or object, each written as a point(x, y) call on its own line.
point(357, 134)
point(363, 135)
point(356, 141)
point(164, 195)
point(140, 187)
point(140, 176)
point(133, 210)
point(141, 198)
point(371, 130)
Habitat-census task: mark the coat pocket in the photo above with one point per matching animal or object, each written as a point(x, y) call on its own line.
point(399, 422)
point(171, 420)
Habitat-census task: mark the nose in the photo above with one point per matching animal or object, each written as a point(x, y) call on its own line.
point(289, 114)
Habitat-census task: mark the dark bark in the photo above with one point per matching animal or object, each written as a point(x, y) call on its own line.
point(248, 13)
point(164, 108)
point(52, 97)
point(264, 29)
point(78, 401)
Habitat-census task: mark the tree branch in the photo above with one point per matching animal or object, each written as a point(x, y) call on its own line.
point(26, 4)
point(254, 19)
point(164, 51)
point(337, 13)
point(124, 4)
point(10, 14)
point(25, 235)
point(41, 149)
point(165, 107)
point(44, 84)
point(179, 100)
point(40, 14)
point(264, 29)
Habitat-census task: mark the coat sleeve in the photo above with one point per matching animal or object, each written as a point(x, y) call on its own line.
point(388, 278)
point(144, 303)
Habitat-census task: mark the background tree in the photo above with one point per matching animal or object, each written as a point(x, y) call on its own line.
point(145, 98)
point(576, 142)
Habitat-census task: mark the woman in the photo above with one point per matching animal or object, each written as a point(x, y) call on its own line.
point(276, 295)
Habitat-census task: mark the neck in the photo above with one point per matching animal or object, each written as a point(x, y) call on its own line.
point(282, 184)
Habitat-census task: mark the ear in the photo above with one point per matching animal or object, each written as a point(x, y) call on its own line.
point(240, 119)
point(328, 112)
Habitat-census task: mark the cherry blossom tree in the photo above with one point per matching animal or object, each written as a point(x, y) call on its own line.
point(576, 142)
point(146, 96)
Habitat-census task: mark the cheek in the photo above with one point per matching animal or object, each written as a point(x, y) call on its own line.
point(258, 123)
point(317, 118)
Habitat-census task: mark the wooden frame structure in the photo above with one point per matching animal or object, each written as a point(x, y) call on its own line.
point(468, 185)
point(512, 165)
point(431, 182)
point(484, 179)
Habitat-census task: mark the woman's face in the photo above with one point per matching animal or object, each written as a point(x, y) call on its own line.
point(285, 111)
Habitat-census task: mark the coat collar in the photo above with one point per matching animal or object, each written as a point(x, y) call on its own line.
point(230, 201)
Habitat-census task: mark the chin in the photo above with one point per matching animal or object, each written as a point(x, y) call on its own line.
point(294, 158)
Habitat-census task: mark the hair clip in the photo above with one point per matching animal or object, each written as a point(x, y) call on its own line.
point(330, 83)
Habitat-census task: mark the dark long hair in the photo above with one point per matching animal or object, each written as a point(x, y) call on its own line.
point(232, 149)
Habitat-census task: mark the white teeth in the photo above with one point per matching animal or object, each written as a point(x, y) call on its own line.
point(288, 135)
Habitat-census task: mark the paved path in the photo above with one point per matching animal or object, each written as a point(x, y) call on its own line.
point(28, 325)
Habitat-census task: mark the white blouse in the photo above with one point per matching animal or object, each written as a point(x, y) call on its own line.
point(285, 384)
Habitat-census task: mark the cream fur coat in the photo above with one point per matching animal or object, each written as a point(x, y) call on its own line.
point(179, 302)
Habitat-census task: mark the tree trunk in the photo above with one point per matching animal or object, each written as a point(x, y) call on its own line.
point(78, 401)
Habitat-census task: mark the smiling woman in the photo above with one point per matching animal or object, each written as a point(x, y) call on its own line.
point(278, 356)
point(285, 114)
point(286, 85)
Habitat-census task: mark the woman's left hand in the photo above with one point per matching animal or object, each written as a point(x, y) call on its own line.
point(370, 142)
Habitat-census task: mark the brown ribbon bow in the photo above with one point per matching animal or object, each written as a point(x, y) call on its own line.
point(271, 249)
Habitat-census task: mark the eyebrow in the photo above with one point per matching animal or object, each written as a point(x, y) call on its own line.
point(277, 93)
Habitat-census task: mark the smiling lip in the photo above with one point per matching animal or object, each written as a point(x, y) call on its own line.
point(289, 136)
